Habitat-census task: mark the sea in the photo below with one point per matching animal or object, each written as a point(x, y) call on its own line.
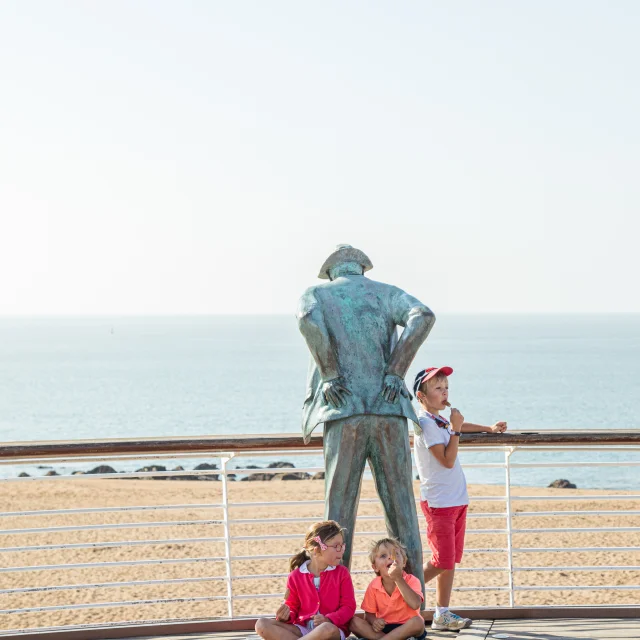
point(67, 378)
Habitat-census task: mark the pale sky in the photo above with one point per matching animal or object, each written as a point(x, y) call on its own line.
point(205, 157)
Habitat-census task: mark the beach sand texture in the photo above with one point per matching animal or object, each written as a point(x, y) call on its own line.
point(103, 493)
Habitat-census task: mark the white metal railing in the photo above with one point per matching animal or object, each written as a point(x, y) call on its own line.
point(226, 522)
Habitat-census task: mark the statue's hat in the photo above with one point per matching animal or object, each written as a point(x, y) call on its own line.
point(344, 253)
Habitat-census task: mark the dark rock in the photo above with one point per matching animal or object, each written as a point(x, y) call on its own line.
point(205, 466)
point(294, 476)
point(53, 472)
point(24, 474)
point(264, 477)
point(185, 477)
point(249, 466)
point(281, 465)
point(257, 476)
point(78, 473)
point(103, 468)
point(153, 467)
point(318, 475)
point(562, 484)
point(43, 466)
point(260, 476)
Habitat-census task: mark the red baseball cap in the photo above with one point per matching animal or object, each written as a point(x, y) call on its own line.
point(427, 374)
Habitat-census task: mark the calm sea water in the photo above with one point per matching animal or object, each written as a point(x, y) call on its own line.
point(63, 378)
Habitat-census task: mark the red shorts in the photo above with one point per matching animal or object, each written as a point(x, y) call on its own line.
point(445, 534)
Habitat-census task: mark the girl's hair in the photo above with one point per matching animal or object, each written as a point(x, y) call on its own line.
point(324, 530)
point(395, 544)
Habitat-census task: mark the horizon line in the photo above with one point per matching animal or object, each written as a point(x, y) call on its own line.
point(189, 314)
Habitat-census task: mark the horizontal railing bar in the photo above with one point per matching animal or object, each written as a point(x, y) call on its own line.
point(579, 568)
point(49, 512)
point(280, 470)
point(203, 455)
point(360, 518)
point(273, 470)
point(630, 587)
point(129, 458)
point(64, 512)
point(142, 525)
point(286, 556)
point(576, 513)
point(281, 442)
point(259, 596)
point(179, 507)
point(120, 563)
point(122, 525)
point(287, 536)
point(107, 545)
point(130, 475)
point(578, 497)
point(271, 453)
point(138, 543)
point(356, 572)
point(570, 463)
point(417, 499)
point(563, 549)
point(107, 585)
point(103, 605)
point(584, 447)
point(573, 529)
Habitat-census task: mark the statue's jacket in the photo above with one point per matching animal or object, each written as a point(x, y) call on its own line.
point(350, 326)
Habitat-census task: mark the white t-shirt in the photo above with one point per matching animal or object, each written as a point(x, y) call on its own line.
point(439, 486)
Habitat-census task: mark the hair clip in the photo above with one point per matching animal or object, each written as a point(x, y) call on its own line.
point(323, 546)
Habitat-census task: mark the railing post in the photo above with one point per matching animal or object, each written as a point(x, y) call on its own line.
point(507, 486)
point(227, 533)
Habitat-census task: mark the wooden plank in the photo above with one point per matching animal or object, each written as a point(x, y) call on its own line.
point(182, 627)
point(282, 442)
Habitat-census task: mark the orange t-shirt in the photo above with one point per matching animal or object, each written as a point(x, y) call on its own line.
point(391, 608)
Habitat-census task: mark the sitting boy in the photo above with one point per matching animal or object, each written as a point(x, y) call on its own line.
point(392, 600)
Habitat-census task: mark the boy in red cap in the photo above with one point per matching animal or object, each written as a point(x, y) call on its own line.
point(443, 487)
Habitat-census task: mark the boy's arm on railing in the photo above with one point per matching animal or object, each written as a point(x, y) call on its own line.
point(470, 427)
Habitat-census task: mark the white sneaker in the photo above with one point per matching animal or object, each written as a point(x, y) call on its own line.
point(449, 621)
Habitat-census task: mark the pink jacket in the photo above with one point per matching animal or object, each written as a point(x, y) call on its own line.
point(335, 600)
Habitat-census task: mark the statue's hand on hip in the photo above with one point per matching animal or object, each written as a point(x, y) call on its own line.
point(334, 393)
point(393, 388)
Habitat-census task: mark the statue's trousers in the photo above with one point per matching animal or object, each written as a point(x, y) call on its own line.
point(384, 442)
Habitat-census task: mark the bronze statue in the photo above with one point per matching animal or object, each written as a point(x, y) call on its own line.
point(356, 388)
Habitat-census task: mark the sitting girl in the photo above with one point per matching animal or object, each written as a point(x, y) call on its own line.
point(319, 601)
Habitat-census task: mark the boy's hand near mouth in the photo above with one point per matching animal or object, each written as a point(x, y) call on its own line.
point(395, 571)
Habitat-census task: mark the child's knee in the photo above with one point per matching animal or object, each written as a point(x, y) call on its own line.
point(328, 631)
point(261, 626)
point(416, 625)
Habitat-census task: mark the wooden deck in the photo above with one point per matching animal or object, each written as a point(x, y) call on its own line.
point(543, 629)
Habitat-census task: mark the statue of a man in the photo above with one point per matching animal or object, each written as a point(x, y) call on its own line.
point(356, 388)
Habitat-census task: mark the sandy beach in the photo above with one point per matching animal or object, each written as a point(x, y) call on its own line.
point(101, 493)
